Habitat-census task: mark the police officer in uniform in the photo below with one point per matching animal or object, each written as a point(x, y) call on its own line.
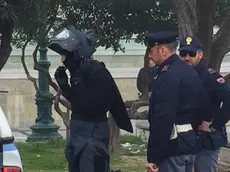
point(92, 92)
point(213, 134)
point(174, 103)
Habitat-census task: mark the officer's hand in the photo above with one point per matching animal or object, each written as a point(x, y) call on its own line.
point(205, 126)
point(151, 167)
point(61, 76)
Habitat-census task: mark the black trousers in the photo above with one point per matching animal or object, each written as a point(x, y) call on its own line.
point(87, 147)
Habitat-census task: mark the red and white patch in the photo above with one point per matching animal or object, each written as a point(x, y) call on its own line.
point(220, 80)
point(165, 68)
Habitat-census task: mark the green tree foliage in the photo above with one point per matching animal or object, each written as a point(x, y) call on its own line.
point(221, 9)
point(37, 19)
point(117, 20)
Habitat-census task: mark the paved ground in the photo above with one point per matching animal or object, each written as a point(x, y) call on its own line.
point(21, 135)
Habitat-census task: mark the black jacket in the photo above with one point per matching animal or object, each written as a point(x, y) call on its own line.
point(93, 92)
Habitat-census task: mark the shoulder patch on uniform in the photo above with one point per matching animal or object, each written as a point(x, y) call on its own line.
point(220, 80)
point(211, 71)
point(165, 68)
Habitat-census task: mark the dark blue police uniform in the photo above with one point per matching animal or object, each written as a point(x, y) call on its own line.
point(174, 107)
point(219, 96)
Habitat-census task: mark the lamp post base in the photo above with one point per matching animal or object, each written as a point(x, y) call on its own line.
point(44, 132)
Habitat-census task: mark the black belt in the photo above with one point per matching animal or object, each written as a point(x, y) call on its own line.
point(89, 118)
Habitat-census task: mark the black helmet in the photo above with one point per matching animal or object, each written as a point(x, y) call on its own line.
point(71, 40)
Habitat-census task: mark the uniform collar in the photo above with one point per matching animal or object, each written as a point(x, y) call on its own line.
point(200, 66)
point(151, 68)
point(168, 61)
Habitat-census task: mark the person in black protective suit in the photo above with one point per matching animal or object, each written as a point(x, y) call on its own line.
point(92, 94)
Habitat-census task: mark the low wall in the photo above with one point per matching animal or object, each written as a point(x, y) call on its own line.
point(19, 104)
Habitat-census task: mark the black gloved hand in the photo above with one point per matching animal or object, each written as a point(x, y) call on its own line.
point(61, 76)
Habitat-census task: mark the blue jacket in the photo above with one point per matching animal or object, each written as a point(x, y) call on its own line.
point(219, 108)
point(176, 99)
point(218, 91)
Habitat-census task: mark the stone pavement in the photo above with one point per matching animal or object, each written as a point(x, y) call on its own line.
point(21, 135)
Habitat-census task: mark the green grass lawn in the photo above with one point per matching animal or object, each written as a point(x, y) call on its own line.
point(49, 157)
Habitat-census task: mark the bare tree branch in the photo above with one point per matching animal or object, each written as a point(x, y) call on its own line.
point(138, 115)
point(129, 103)
point(64, 115)
point(136, 103)
point(65, 103)
point(139, 103)
point(32, 79)
point(133, 106)
point(41, 69)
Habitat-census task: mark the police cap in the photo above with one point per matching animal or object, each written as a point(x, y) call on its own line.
point(190, 43)
point(158, 38)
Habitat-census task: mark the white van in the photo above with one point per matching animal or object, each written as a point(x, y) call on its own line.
point(10, 160)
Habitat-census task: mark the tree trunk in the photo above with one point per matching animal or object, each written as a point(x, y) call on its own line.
point(220, 44)
point(114, 140)
point(67, 129)
point(190, 14)
point(5, 50)
point(227, 78)
point(186, 17)
point(205, 20)
point(145, 95)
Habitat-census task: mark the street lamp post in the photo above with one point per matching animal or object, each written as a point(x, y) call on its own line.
point(44, 127)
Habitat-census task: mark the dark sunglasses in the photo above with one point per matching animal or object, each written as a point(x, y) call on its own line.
point(185, 53)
